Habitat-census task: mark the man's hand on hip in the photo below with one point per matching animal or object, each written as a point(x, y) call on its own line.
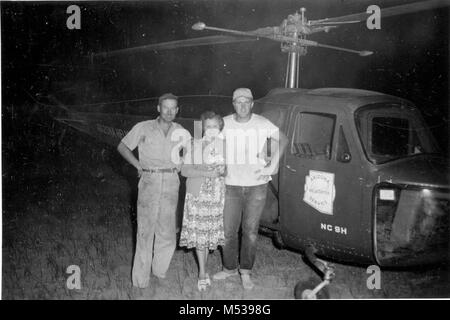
point(265, 173)
point(140, 171)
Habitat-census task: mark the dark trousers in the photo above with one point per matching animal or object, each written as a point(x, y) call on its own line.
point(243, 205)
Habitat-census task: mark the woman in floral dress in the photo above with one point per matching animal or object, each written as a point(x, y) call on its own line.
point(204, 167)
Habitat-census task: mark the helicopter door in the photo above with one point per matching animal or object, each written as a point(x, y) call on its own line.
point(321, 199)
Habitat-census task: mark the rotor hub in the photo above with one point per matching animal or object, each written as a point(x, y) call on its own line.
point(295, 26)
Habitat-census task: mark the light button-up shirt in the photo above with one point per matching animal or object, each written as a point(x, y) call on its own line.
point(157, 150)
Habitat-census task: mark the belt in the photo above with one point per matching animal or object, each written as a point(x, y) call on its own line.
point(160, 170)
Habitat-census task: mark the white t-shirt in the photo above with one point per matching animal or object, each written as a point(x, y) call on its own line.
point(245, 145)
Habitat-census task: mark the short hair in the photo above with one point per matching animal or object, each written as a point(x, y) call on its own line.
point(212, 115)
point(167, 96)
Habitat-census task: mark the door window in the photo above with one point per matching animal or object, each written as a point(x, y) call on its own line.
point(313, 135)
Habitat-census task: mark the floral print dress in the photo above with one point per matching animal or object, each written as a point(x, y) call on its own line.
point(203, 214)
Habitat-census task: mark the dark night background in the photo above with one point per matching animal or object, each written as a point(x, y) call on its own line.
point(410, 52)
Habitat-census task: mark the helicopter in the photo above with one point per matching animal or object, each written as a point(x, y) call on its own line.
point(342, 192)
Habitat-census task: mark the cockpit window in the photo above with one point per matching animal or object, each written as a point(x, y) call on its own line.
point(390, 132)
point(396, 129)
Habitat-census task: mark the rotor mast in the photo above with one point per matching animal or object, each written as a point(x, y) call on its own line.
point(292, 70)
point(295, 51)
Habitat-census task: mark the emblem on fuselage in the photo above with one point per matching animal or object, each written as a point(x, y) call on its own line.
point(320, 191)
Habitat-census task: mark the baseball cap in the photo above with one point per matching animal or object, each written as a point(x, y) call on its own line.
point(166, 96)
point(242, 92)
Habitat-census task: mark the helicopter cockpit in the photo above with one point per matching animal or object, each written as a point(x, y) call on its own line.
point(392, 132)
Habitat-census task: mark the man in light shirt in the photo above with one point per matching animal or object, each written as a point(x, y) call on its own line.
point(248, 174)
point(159, 142)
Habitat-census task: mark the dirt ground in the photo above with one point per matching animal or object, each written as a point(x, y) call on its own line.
point(76, 207)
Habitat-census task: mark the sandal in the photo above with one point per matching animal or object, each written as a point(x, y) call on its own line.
point(202, 284)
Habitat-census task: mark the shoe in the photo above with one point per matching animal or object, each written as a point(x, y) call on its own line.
point(140, 292)
point(161, 277)
point(160, 281)
point(222, 275)
point(247, 282)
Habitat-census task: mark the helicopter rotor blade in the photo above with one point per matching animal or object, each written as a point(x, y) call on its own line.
point(309, 43)
point(336, 23)
point(271, 32)
point(268, 34)
point(363, 53)
point(386, 12)
point(202, 26)
point(194, 42)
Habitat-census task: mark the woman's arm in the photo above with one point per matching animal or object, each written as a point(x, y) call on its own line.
point(195, 171)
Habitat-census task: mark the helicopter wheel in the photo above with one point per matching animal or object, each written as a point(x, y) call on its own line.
point(304, 288)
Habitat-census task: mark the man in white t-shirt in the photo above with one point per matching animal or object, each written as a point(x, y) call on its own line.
point(248, 174)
